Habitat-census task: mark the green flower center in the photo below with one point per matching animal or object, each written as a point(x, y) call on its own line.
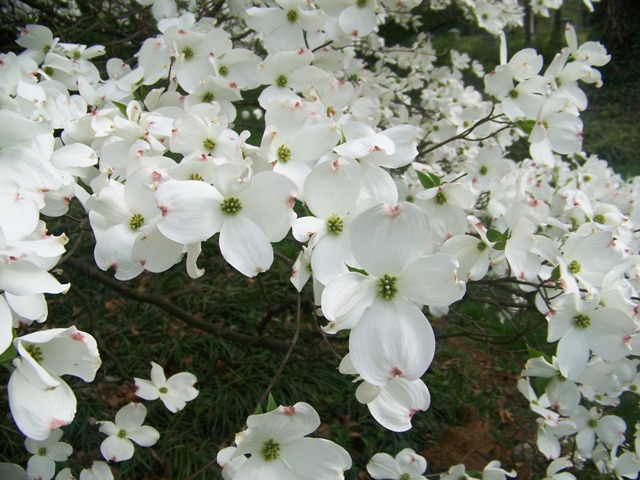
point(284, 153)
point(122, 433)
point(48, 70)
point(387, 287)
point(513, 93)
point(593, 423)
point(441, 198)
point(582, 321)
point(208, 97)
point(209, 144)
point(481, 246)
point(599, 218)
point(405, 476)
point(42, 451)
point(187, 52)
point(46, 48)
point(76, 55)
point(196, 176)
point(136, 222)
point(270, 450)
point(282, 81)
point(484, 170)
point(163, 390)
point(223, 70)
point(574, 267)
point(335, 225)
point(231, 206)
point(35, 352)
point(361, 3)
point(292, 15)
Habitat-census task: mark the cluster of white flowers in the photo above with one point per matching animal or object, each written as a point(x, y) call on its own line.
point(408, 195)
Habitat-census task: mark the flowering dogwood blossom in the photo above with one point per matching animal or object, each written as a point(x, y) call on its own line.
point(174, 392)
point(278, 448)
point(127, 428)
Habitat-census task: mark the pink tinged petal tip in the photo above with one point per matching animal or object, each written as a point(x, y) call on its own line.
point(393, 211)
point(289, 411)
point(56, 423)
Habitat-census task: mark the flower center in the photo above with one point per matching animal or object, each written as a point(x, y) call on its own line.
point(582, 321)
point(231, 206)
point(163, 390)
point(574, 267)
point(387, 287)
point(208, 97)
point(270, 450)
point(361, 3)
point(593, 423)
point(481, 246)
point(187, 52)
point(76, 55)
point(441, 198)
point(122, 433)
point(483, 170)
point(405, 476)
point(209, 144)
point(513, 93)
point(284, 153)
point(196, 176)
point(335, 225)
point(35, 352)
point(599, 218)
point(282, 81)
point(223, 70)
point(292, 15)
point(48, 70)
point(136, 222)
point(42, 451)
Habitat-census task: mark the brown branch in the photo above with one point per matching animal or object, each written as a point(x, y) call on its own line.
point(180, 314)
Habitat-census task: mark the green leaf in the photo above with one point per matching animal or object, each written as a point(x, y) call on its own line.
point(271, 404)
point(122, 107)
point(494, 235)
point(259, 410)
point(357, 270)
point(555, 274)
point(428, 180)
point(9, 354)
point(526, 125)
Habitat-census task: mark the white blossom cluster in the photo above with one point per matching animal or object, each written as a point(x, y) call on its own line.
point(408, 192)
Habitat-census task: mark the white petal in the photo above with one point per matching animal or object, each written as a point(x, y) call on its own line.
point(256, 467)
point(394, 338)
point(268, 203)
point(245, 246)
point(383, 465)
point(116, 449)
point(345, 299)
point(24, 278)
point(385, 239)
point(36, 410)
point(146, 390)
point(144, 436)
point(131, 416)
point(398, 402)
point(190, 210)
point(332, 188)
point(573, 353)
point(41, 467)
point(316, 458)
point(432, 281)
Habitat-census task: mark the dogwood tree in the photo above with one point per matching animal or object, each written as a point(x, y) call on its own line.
point(393, 177)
